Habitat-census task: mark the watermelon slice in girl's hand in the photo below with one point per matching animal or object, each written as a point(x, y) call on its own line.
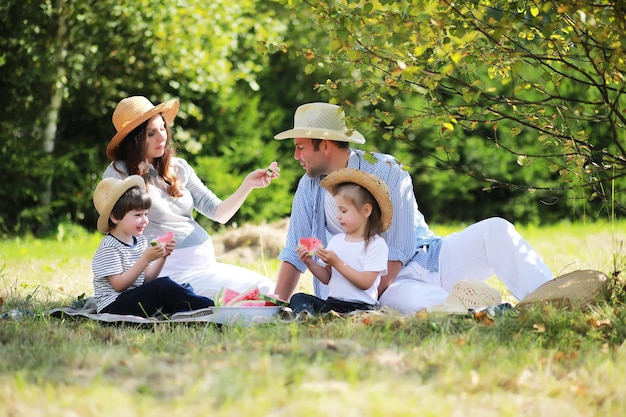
point(162, 239)
point(311, 244)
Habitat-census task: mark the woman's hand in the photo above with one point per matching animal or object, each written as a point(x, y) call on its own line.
point(256, 179)
point(259, 178)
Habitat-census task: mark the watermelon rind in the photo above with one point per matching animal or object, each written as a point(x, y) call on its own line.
point(273, 300)
point(219, 298)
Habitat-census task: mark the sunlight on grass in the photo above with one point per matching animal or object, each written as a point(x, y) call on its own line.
point(542, 362)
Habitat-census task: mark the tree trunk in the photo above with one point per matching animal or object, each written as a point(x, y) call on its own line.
point(51, 117)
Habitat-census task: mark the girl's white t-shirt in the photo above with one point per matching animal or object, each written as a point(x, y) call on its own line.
point(354, 254)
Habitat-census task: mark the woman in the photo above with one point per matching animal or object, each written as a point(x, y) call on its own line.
point(143, 146)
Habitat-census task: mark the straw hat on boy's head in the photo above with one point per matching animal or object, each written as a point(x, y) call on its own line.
point(133, 111)
point(108, 192)
point(321, 121)
point(371, 183)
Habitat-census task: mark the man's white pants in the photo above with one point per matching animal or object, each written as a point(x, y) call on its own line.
point(492, 246)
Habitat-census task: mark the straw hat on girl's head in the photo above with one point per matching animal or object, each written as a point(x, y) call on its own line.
point(321, 121)
point(371, 183)
point(108, 192)
point(133, 111)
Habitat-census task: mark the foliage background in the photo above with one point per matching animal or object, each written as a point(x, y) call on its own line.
point(497, 108)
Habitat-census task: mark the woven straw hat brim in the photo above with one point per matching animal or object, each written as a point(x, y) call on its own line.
point(573, 290)
point(316, 133)
point(372, 183)
point(133, 111)
point(321, 121)
point(468, 295)
point(108, 192)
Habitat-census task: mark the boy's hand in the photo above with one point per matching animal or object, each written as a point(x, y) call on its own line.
point(155, 252)
point(169, 247)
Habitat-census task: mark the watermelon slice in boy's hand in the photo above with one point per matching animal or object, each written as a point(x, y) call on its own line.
point(311, 244)
point(162, 239)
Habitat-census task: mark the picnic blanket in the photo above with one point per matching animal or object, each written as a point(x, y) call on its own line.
point(205, 315)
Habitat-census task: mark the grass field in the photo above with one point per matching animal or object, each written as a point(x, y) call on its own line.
point(537, 363)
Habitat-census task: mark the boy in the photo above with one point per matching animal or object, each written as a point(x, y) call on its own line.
point(125, 266)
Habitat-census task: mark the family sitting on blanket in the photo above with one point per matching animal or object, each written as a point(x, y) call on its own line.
point(422, 268)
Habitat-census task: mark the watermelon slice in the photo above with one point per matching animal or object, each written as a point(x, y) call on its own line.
point(273, 168)
point(225, 296)
point(311, 244)
point(250, 294)
point(252, 297)
point(162, 239)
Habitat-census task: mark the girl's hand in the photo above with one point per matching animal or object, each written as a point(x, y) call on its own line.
point(303, 254)
point(328, 256)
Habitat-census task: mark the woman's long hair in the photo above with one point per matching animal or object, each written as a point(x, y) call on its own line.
point(132, 151)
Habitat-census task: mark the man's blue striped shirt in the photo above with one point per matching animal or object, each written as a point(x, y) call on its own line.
point(409, 238)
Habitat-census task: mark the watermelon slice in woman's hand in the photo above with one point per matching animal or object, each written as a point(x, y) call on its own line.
point(162, 239)
point(311, 244)
point(273, 169)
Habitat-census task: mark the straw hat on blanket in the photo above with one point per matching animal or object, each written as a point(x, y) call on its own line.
point(576, 289)
point(468, 295)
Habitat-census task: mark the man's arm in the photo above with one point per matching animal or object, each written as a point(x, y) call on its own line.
point(393, 268)
point(288, 277)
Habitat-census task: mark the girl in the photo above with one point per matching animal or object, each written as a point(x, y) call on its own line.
point(354, 261)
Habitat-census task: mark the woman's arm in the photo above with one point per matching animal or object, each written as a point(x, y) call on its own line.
point(227, 208)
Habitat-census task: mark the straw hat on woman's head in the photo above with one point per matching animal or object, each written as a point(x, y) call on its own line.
point(371, 183)
point(133, 111)
point(321, 121)
point(108, 192)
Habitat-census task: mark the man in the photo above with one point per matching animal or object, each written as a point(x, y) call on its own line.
point(422, 268)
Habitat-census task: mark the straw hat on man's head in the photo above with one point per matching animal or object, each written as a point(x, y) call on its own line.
point(108, 192)
point(321, 121)
point(133, 111)
point(371, 183)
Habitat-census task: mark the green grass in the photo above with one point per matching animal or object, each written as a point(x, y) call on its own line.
point(539, 363)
